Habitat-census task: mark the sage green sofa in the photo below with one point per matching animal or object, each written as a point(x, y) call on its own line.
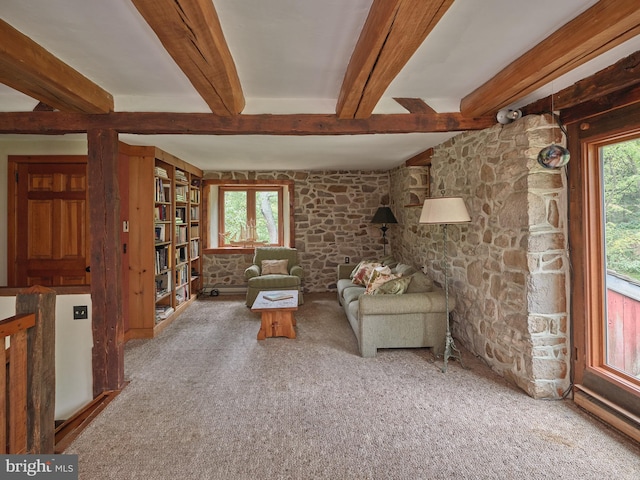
point(257, 281)
point(413, 319)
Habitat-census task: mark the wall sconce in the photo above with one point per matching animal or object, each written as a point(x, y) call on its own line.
point(507, 116)
point(384, 215)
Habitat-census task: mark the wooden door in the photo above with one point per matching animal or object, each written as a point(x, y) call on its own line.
point(50, 243)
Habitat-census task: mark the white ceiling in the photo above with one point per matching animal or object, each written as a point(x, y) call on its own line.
point(291, 56)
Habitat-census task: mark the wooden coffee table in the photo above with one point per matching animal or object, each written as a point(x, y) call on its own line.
point(277, 315)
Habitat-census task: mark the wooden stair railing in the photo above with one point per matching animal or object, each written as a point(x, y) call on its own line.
point(13, 394)
point(27, 374)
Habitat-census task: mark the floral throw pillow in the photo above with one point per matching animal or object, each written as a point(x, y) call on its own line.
point(364, 273)
point(357, 267)
point(379, 277)
point(397, 286)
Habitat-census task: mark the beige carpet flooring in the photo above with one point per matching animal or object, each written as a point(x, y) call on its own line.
point(208, 401)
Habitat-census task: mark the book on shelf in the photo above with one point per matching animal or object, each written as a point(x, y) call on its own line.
point(161, 213)
point(162, 190)
point(195, 248)
point(160, 233)
point(160, 172)
point(181, 233)
point(181, 176)
point(181, 215)
point(181, 193)
point(162, 259)
point(163, 312)
point(277, 296)
point(182, 294)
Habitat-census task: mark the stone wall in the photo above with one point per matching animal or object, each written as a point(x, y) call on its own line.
point(333, 210)
point(509, 267)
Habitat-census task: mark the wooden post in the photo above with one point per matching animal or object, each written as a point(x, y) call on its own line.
point(106, 279)
point(41, 367)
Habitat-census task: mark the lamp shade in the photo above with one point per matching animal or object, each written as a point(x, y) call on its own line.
point(442, 210)
point(384, 215)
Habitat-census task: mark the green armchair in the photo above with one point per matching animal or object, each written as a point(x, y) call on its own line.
point(259, 280)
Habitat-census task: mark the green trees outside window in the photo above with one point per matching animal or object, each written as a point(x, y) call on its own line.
point(251, 215)
point(621, 184)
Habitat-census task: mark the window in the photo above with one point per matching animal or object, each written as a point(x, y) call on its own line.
point(244, 215)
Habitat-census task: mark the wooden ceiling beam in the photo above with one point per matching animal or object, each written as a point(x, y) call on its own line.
point(415, 105)
point(600, 28)
point(27, 67)
point(190, 31)
point(393, 31)
point(422, 159)
point(150, 123)
point(622, 74)
point(606, 103)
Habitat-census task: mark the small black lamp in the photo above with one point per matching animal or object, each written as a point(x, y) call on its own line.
point(384, 215)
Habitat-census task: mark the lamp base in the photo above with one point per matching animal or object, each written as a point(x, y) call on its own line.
point(451, 351)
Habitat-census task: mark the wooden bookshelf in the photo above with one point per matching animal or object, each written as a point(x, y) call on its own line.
point(164, 274)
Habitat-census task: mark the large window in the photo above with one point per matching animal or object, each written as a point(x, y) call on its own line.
point(242, 216)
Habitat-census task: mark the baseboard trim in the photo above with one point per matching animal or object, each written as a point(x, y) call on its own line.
point(69, 430)
point(619, 418)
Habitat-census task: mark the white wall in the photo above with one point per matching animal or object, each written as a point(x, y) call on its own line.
point(74, 341)
point(29, 145)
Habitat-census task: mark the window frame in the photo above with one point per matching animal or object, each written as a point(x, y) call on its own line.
point(591, 372)
point(214, 223)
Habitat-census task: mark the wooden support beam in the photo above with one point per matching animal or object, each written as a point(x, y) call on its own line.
point(30, 69)
point(150, 123)
point(42, 107)
point(415, 105)
point(600, 28)
point(106, 279)
point(617, 77)
point(190, 31)
point(41, 372)
point(613, 101)
point(422, 159)
point(391, 34)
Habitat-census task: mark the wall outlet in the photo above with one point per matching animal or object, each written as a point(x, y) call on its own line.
point(347, 259)
point(80, 312)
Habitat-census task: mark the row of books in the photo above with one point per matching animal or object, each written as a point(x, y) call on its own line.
point(182, 275)
point(162, 260)
point(162, 190)
point(195, 214)
point(181, 193)
point(195, 249)
point(181, 215)
point(181, 233)
point(161, 233)
point(195, 196)
point(160, 213)
point(181, 255)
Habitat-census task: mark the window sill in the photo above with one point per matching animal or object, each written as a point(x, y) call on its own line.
point(230, 251)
